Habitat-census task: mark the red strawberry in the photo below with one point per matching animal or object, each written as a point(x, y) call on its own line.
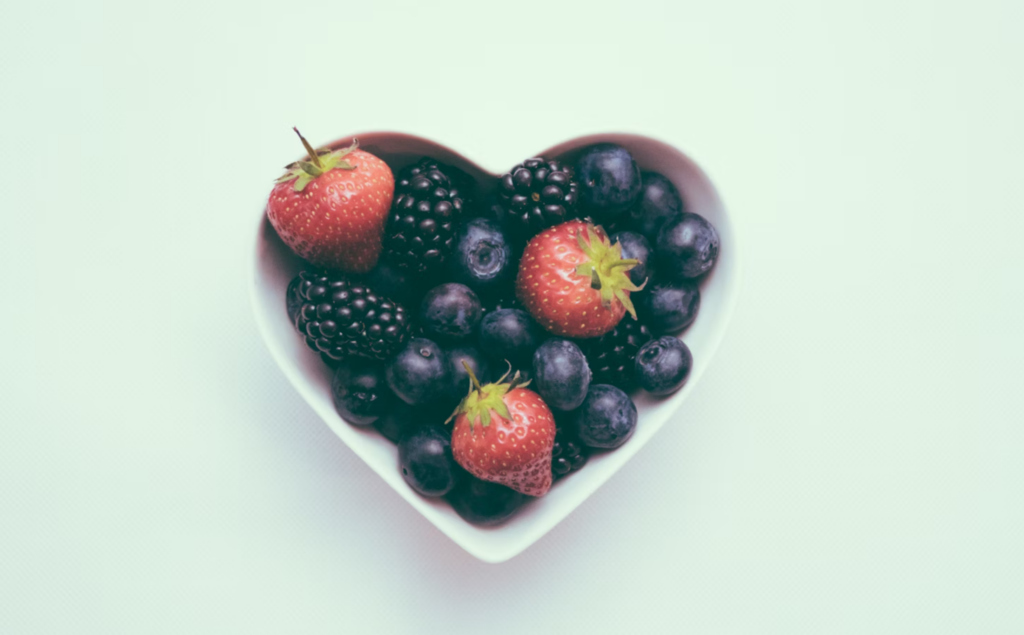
point(331, 207)
point(574, 282)
point(504, 433)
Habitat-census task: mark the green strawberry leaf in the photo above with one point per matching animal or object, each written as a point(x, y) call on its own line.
point(482, 401)
point(317, 162)
point(607, 269)
point(310, 168)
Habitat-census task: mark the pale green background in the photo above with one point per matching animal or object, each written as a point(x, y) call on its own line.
point(853, 462)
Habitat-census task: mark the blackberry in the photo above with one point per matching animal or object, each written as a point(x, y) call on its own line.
point(567, 456)
point(464, 183)
point(611, 357)
point(341, 318)
point(421, 226)
point(537, 194)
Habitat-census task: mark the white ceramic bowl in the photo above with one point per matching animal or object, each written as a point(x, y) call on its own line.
point(273, 266)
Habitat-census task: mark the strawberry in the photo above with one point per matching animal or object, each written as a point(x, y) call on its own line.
point(331, 207)
point(505, 433)
point(574, 282)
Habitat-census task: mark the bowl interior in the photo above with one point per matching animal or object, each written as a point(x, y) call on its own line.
point(274, 265)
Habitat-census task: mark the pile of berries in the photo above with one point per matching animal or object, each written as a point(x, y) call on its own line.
point(496, 342)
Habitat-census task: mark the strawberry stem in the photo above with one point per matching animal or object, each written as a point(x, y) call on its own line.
point(474, 383)
point(309, 149)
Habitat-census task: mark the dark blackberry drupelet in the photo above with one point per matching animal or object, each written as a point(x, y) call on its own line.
point(340, 318)
point(567, 456)
point(537, 194)
point(611, 357)
point(428, 205)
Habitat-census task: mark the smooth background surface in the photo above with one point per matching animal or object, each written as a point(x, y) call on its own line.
point(851, 462)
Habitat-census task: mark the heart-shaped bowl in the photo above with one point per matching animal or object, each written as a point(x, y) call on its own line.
point(274, 265)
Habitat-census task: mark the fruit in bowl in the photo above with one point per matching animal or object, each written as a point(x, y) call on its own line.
point(330, 208)
point(415, 343)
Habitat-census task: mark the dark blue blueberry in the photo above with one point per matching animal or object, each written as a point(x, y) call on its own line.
point(607, 417)
point(425, 457)
point(659, 203)
point(402, 417)
point(687, 247)
point(450, 312)
point(419, 372)
point(483, 502)
point(401, 285)
point(510, 334)
point(663, 365)
point(609, 180)
point(394, 423)
point(636, 246)
point(360, 393)
point(669, 307)
point(476, 360)
point(561, 374)
point(483, 259)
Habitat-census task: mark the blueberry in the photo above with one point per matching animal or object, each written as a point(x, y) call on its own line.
point(636, 246)
point(561, 374)
point(659, 203)
point(402, 418)
point(425, 456)
point(483, 502)
point(360, 393)
point(419, 372)
point(476, 360)
point(609, 180)
point(607, 417)
point(510, 334)
point(450, 312)
point(669, 307)
point(663, 365)
point(393, 424)
point(484, 260)
point(687, 247)
point(395, 283)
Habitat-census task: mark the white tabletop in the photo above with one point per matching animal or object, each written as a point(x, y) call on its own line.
point(851, 462)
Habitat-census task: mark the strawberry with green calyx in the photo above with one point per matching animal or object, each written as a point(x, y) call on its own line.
point(504, 433)
point(331, 207)
point(574, 282)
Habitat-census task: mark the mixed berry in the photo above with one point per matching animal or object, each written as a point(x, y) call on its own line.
point(493, 330)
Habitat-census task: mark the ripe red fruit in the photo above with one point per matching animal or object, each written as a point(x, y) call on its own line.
point(574, 282)
point(331, 207)
point(504, 433)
